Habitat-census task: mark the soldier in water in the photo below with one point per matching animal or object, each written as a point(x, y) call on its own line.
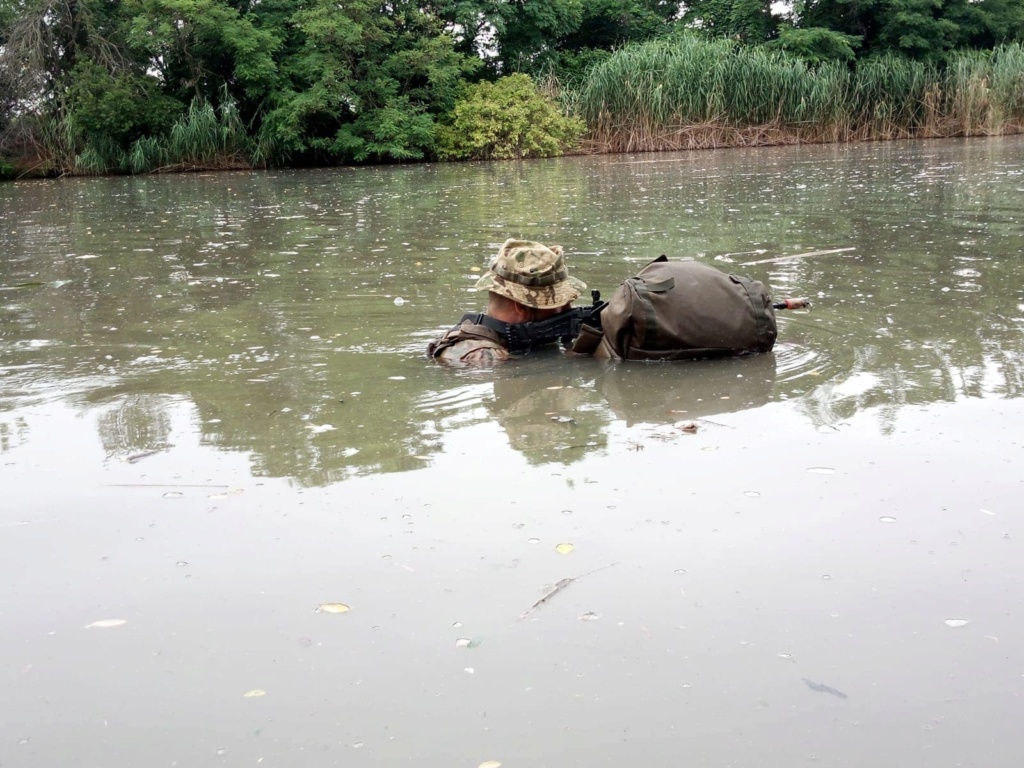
point(527, 282)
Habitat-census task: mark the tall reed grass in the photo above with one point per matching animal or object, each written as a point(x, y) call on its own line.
point(203, 138)
point(691, 92)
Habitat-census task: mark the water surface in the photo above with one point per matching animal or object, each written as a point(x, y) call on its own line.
point(216, 416)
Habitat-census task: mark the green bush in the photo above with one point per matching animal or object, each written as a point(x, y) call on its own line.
point(119, 109)
point(7, 171)
point(506, 119)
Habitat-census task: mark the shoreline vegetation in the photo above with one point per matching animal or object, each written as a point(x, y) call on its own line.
point(704, 95)
point(149, 86)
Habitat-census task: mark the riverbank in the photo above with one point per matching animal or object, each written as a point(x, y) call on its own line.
point(673, 139)
point(686, 93)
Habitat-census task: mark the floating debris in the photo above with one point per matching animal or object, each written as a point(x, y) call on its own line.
point(590, 616)
point(107, 623)
point(255, 693)
point(821, 470)
point(137, 457)
point(821, 688)
point(887, 519)
point(317, 429)
point(558, 588)
point(956, 622)
point(332, 608)
point(564, 549)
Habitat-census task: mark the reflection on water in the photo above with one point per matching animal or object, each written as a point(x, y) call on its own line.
point(289, 310)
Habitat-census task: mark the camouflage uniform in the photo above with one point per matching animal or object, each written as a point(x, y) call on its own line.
point(526, 272)
point(469, 344)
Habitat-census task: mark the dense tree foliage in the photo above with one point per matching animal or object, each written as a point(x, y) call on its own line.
point(361, 84)
point(920, 29)
point(131, 85)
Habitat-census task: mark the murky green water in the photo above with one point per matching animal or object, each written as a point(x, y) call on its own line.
point(215, 415)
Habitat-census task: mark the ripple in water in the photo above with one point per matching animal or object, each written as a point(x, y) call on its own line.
point(793, 361)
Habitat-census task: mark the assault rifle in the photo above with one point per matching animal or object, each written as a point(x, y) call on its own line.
point(563, 327)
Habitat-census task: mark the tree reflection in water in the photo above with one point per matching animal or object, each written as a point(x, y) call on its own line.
point(264, 303)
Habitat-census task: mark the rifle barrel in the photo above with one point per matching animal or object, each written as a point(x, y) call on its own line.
point(801, 303)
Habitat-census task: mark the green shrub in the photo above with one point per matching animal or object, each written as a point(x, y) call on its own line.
point(119, 109)
point(506, 119)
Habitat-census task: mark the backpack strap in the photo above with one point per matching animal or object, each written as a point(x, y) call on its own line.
point(588, 340)
point(643, 290)
point(487, 321)
point(764, 326)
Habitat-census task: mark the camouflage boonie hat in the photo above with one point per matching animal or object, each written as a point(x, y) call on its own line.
point(532, 274)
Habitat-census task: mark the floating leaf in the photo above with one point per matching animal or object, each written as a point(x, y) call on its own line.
point(564, 549)
point(255, 693)
point(107, 623)
point(332, 608)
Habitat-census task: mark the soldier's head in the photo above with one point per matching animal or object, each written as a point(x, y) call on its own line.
point(528, 281)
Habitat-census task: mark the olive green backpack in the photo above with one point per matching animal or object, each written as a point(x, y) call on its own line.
point(682, 310)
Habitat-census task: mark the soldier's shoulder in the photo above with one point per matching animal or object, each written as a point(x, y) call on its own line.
point(474, 352)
